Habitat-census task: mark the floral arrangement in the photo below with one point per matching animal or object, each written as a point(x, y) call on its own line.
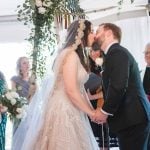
point(99, 61)
point(13, 104)
point(80, 34)
point(45, 17)
point(43, 5)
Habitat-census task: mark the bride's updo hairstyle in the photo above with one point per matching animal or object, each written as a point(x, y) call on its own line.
point(77, 37)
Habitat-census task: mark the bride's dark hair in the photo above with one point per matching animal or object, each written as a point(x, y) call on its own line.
point(72, 33)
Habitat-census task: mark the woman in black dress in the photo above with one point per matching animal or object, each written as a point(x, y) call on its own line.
point(94, 88)
point(105, 138)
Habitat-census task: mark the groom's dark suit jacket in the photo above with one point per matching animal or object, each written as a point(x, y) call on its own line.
point(123, 90)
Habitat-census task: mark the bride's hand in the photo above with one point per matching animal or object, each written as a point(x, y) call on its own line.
point(92, 115)
point(89, 94)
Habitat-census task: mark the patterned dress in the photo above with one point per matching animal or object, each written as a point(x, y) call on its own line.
point(3, 116)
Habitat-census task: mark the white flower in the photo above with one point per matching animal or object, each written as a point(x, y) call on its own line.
point(74, 46)
point(78, 41)
point(4, 109)
point(14, 94)
point(25, 107)
point(47, 3)
point(41, 10)
point(99, 61)
point(19, 110)
point(38, 3)
point(80, 34)
point(19, 116)
point(8, 96)
point(82, 25)
point(13, 101)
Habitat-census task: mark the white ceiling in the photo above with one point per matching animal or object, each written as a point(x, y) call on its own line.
point(12, 30)
point(8, 7)
point(93, 4)
point(100, 9)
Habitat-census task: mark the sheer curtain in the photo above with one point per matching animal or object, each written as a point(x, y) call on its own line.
point(135, 35)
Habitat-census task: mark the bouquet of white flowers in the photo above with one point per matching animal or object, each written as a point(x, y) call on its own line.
point(13, 104)
point(99, 61)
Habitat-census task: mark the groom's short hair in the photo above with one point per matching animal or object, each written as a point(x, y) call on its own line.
point(114, 28)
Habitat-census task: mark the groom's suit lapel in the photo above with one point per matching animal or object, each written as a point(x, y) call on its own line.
point(107, 57)
point(112, 48)
point(106, 66)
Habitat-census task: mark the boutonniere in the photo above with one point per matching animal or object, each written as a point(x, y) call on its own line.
point(99, 61)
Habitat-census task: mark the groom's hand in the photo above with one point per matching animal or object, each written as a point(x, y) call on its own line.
point(99, 117)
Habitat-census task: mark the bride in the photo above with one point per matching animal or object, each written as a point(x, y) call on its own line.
point(57, 116)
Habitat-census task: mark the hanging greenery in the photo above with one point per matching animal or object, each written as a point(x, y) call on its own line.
point(40, 15)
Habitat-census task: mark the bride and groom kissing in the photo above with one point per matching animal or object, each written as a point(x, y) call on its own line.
point(61, 120)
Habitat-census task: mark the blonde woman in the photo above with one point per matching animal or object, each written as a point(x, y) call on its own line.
point(21, 82)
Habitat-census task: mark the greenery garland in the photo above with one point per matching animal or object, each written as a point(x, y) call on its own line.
point(40, 16)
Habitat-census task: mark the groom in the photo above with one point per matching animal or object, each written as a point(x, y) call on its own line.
point(125, 107)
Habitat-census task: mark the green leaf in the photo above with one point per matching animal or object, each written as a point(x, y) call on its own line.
point(32, 4)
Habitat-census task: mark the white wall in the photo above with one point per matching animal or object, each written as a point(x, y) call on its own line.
point(13, 32)
point(135, 35)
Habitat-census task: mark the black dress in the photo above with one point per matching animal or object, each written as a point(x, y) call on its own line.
point(93, 84)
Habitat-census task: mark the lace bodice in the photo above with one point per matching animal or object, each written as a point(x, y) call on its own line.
point(82, 75)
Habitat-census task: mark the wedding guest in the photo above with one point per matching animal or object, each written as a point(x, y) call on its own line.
point(21, 83)
point(94, 54)
point(146, 79)
point(3, 116)
point(125, 107)
point(102, 133)
point(94, 89)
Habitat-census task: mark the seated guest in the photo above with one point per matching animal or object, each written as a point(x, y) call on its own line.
point(21, 83)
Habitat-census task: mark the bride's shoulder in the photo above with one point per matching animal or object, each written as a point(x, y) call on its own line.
point(70, 53)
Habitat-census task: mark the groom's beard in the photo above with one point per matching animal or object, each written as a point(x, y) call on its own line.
point(99, 42)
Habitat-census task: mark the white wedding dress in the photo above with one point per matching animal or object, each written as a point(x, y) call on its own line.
point(61, 126)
